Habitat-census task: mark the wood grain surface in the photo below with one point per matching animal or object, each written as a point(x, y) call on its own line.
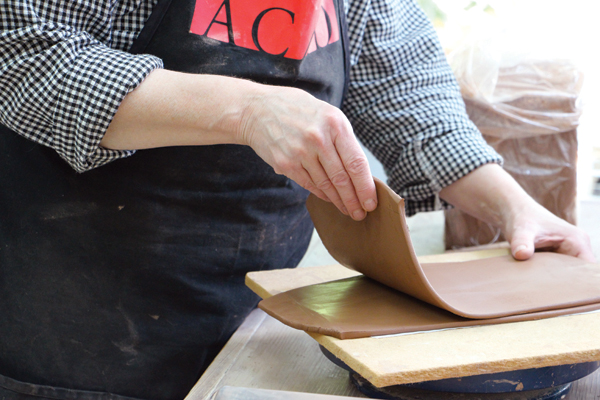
point(587, 388)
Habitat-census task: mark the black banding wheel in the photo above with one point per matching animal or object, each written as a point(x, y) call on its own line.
point(545, 383)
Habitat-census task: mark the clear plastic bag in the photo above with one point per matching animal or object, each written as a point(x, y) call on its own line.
point(528, 110)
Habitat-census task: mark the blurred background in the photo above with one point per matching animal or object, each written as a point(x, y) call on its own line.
point(542, 29)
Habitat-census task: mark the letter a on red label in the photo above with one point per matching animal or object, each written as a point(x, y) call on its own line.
point(289, 28)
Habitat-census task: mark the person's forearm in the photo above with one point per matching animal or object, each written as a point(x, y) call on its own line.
point(488, 194)
point(176, 109)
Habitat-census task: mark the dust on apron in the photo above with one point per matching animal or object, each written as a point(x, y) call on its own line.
point(127, 280)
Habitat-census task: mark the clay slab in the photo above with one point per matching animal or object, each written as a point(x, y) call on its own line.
point(425, 296)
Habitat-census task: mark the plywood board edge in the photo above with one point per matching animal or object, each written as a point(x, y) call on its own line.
point(269, 283)
point(383, 380)
point(252, 283)
point(380, 379)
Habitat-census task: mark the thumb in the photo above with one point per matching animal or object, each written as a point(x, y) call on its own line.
point(522, 244)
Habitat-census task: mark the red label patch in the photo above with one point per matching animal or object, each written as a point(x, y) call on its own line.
point(289, 28)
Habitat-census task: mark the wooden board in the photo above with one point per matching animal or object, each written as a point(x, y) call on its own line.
point(451, 353)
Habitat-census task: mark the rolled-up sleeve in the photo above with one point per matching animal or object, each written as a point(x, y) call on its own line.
point(405, 105)
point(60, 81)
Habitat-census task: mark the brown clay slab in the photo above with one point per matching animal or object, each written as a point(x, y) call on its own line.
point(428, 296)
point(502, 286)
point(359, 307)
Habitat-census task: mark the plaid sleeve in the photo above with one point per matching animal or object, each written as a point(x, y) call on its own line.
point(60, 81)
point(405, 105)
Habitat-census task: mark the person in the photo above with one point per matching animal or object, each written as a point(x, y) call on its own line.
point(122, 273)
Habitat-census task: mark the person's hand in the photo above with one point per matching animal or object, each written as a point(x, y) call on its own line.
point(534, 227)
point(493, 196)
point(312, 143)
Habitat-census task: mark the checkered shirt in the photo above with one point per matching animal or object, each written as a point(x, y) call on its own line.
point(64, 70)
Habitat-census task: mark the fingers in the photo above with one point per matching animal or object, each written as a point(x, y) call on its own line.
point(306, 182)
point(522, 244)
point(342, 172)
point(349, 186)
point(573, 242)
point(312, 143)
point(577, 244)
point(355, 163)
point(544, 231)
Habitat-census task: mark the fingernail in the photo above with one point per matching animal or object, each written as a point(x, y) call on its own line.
point(358, 214)
point(520, 248)
point(345, 210)
point(520, 252)
point(370, 205)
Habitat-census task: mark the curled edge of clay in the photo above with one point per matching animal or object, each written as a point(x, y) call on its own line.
point(379, 247)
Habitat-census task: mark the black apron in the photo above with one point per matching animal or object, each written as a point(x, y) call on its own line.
point(126, 281)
